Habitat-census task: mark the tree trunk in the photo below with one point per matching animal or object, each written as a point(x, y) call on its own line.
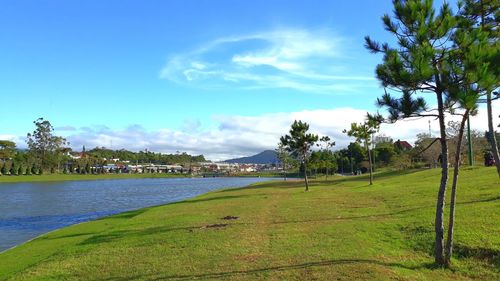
point(283, 163)
point(492, 139)
point(284, 170)
point(305, 176)
point(449, 241)
point(439, 227)
point(370, 163)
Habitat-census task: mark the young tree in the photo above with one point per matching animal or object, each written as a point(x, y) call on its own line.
point(325, 143)
point(437, 54)
point(472, 74)
point(418, 65)
point(283, 156)
point(481, 16)
point(363, 133)
point(299, 144)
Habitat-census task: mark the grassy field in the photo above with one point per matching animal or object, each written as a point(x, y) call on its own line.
point(342, 229)
point(70, 177)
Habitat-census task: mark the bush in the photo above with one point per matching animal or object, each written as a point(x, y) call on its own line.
point(3, 170)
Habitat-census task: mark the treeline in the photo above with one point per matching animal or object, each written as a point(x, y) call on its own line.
point(48, 153)
point(144, 156)
point(389, 153)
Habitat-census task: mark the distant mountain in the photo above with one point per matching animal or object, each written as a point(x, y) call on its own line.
point(265, 157)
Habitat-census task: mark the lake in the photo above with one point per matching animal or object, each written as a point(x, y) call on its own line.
point(30, 209)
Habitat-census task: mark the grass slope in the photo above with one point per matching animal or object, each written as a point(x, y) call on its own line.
point(341, 230)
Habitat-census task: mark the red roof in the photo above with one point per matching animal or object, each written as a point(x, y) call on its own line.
point(404, 144)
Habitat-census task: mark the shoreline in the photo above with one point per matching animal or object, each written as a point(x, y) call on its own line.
point(131, 210)
point(77, 177)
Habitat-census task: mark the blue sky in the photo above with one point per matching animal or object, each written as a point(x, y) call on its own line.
point(109, 73)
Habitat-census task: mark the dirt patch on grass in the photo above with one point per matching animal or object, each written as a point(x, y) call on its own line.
point(217, 225)
point(229, 218)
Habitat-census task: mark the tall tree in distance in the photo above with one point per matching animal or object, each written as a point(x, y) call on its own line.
point(43, 145)
point(7, 149)
point(299, 143)
point(418, 65)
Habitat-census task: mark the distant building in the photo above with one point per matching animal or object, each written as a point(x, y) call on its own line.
point(382, 139)
point(403, 145)
point(247, 168)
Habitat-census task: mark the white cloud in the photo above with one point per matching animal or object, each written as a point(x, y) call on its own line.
point(17, 139)
point(299, 59)
point(236, 136)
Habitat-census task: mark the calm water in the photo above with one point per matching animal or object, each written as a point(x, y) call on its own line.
point(30, 209)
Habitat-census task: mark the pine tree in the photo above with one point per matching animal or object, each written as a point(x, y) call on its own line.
point(417, 66)
point(299, 144)
point(443, 55)
point(473, 73)
point(363, 133)
point(480, 17)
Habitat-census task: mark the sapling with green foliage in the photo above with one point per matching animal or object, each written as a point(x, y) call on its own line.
point(325, 143)
point(299, 143)
point(284, 158)
point(478, 22)
point(472, 74)
point(363, 133)
point(418, 65)
point(441, 54)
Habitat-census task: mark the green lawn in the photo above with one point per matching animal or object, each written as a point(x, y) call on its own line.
point(70, 177)
point(342, 229)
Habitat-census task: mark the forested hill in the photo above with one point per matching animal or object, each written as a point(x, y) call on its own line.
point(265, 157)
point(145, 156)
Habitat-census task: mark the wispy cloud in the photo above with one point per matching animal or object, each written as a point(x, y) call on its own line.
point(299, 59)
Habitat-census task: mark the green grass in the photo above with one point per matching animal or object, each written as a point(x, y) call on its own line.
point(71, 177)
point(342, 229)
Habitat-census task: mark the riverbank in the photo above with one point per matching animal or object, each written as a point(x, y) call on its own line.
point(76, 177)
point(342, 229)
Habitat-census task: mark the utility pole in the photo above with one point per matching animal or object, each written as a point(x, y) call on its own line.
point(350, 161)
point(469, 142)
